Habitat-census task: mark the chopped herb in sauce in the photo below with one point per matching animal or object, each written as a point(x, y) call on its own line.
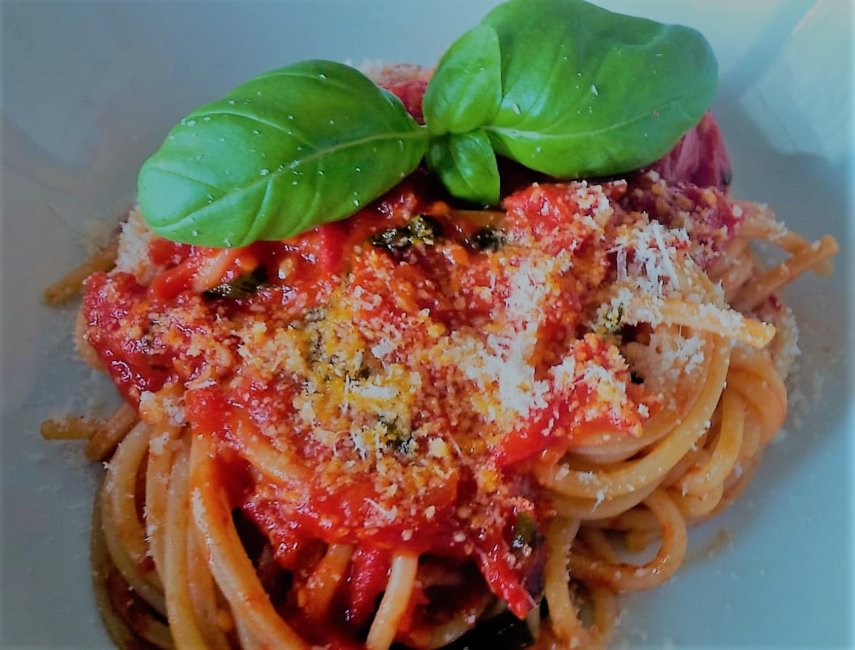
point(525, 531)
point(610, 322)
point(242, 286)
point(486, 239)
point(421, 230)
point(395, 437)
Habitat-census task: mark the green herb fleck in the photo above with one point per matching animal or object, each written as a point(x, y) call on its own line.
point(611, 321)
point(526, 532)
point(486, 239)
point(242, 286)
point(421, 230)
point(395, 437)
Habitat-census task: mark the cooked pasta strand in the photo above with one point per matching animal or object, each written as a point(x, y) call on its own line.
point(402, 576)
point(69, 285)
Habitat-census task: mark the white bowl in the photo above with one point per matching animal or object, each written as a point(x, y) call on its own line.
point(89, 90)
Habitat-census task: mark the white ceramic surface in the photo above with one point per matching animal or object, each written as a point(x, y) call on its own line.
point(88, 91)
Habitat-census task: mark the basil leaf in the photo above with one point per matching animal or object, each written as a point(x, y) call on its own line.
point(466, 88)
point(285, 152)
point(467, 166)
point(588, 92)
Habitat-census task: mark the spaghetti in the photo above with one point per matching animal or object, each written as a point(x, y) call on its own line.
point(396, 427)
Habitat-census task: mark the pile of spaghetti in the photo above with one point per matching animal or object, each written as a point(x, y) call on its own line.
point(404, 426)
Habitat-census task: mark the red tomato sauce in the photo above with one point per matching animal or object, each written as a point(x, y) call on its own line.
point(294, 373)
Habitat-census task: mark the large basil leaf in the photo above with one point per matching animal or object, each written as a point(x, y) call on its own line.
point(289, 150)
point(466, 88)
point(590, 92)
point(466, 164)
